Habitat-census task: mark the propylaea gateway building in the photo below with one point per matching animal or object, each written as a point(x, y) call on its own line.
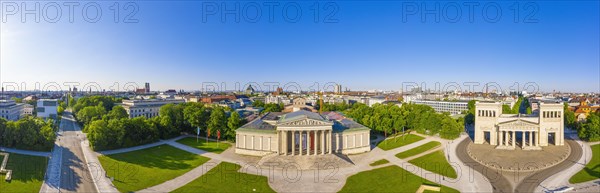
point(302, 133)
point(530, 132)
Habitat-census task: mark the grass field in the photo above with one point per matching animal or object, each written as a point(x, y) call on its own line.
point(379, 162)
point(211, 146)
point(392, 143)
point(418, 150)
point(28, 173)
point(225, 178)
point(435, 162)
point(591, 170)
point(387, 179)
point(145, 168)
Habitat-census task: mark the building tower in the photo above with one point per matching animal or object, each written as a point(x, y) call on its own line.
point(147, 87)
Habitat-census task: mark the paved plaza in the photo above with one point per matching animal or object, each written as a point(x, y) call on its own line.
point(518, 159)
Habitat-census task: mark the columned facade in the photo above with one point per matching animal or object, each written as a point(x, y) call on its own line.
point(302, 133)
point(509, 131)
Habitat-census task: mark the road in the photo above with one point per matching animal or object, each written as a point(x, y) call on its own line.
point(75, 175)
point(498, 181)
point(531, 182)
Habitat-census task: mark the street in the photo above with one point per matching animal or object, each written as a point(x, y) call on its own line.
point(75, 175)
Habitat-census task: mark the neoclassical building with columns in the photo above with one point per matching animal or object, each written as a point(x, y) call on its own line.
point(509, 131)
point(302, 133)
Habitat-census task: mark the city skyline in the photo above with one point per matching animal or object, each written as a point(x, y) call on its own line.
point(362, 46)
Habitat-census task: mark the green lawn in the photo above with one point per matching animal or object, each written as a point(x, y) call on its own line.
point(435, 162)
point(379, 162)
point(211, 146)
point(28, 173)
point(145, 168)
point(225, 178)
point(418, 150)
point(387, 179)
point(591, 170)
point(392, 143)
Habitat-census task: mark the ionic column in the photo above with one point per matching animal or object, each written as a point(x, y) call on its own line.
point(284, 141)
point(315, 144)
point(329, 141)
point(522, 139)
point(301, 138)
point(293, 142)
point(322, 142)
point(530, 141)
point(513, 139)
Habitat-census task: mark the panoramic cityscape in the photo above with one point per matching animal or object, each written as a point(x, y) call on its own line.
point(299, 96)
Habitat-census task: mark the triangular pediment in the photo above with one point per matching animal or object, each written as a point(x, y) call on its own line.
point(518, 123)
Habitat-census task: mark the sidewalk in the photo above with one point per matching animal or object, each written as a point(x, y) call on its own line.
point(102, 183)
point(562, 179)
point(52, 178)
point(26, 152)
point(140, 147)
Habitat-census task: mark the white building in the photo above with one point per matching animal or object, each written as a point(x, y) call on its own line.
point(452, 107)
point(147, 108)
point(14, 111)
point(530, 132)
point(47, 108)
point(302, 133)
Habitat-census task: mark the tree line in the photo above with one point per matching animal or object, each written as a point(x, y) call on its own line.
point(589, 129)
point(390, 118)
point(108, 126)
point(30, 133)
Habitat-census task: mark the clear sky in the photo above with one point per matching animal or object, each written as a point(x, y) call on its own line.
point(360, 44)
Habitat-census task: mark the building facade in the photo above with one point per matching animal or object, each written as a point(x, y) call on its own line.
point(47, 108)
point(13, 111)
point(146, 108)
point(452, 107)
point(507, 131)
point(302, 133)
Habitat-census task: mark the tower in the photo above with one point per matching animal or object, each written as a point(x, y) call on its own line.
point(147, 87)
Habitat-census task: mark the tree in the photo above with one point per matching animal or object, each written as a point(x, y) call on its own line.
point(90, 113)
point(196, 114)
point(118, 112)
point(233, 123)
point(590, 130)
point(570, 120)
point(217, 121)
point(17, 100)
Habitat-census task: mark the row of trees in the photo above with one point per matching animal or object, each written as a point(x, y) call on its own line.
point(421, 118)
point(587, 130)
point(521, 106)
point(29, 133)
point(109, 127)
point(590, 129)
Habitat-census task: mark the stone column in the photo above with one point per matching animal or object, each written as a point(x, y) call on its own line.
point(316, 144)
point(537, 138)
point(322, 142)
point(500, 138)
point(530, 141)
point(300, 139)
point(293, 142)
point(284, 141)
point(514, 139)
point(308, 142)
point(522, 139)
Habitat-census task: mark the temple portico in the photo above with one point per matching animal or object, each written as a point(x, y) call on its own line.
point(509, 131)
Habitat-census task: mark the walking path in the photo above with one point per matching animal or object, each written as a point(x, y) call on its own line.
point(99, 177)
point(140, 147)
point(52, 179)
point(562, 179)
point(184, 179)
point(26, 152)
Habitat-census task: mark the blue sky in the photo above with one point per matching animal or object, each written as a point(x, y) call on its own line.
point(363, 45)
